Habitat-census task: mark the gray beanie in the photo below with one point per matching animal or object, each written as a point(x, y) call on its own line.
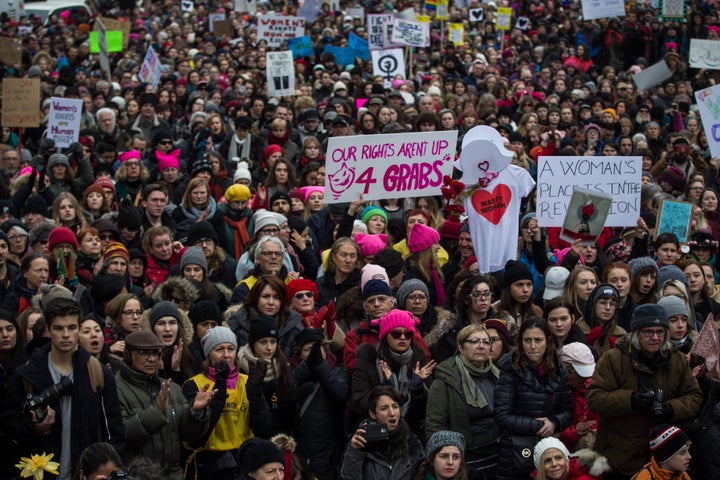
point(670, 272)
point(444, 438)
point(546, 444)
point(193, 256)
point(164, 309)
point(216, 336)
point(409, 286)
point(264, 219)
point(673, 306)
point(57, 159)
point(637, 264)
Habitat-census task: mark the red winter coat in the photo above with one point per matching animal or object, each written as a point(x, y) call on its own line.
point(582, 413)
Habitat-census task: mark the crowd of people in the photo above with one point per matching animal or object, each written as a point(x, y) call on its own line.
point(178, 301)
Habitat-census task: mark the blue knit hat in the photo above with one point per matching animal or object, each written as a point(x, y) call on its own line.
point(371, 210)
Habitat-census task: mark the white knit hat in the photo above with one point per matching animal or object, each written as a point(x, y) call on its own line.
point(545, 444)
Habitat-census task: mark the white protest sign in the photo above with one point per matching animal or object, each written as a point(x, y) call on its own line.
point(651, 76)
point(310, 9)
point(187, 5)
point(615, 176)
point(388, 166)
point(407, 14)
point(275, 29)
point(215, 17)
point(412, 34)
point(151, 68)
point(476, 14)
point(388, 63)
point(102, 43)
point(356, 12)
point(375, 22)
point(280, 72)
point(592, 9)
point(708, 101)
point(705, 54)
point(249, 6)
point(64, 120)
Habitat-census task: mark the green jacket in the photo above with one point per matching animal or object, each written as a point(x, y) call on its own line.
point(446, 408)
point(149, 432)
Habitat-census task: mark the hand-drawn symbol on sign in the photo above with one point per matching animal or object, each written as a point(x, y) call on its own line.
point(388, 64)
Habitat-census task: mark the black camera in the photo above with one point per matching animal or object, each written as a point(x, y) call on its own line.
point(38, 403)
point(119, 475)
point(376, 437)
point(657, 404)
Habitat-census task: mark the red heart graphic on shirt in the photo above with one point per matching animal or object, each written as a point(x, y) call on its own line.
point(492, 205)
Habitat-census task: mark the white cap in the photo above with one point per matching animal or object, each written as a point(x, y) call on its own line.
point(580, 357)
point(555, 281)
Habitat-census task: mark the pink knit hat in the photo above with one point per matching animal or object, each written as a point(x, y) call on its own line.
point(172, 160)
point(370, 244)
point(125, 156)
point(397, 319)
point(560, 254)
point(373, 272)
point(421, 237)
point(306, 191)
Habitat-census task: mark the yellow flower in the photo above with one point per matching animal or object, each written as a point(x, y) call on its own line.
point(37, 465)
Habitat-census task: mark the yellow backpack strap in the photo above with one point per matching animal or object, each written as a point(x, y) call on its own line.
point(95, 372)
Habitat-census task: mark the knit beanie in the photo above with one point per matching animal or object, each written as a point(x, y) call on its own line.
point(308, 335)
point(451, 228)
point(297, 224)
point(94, 187)
point(203, 311)
point(129, 217)
point(421, 237)
point(670, 272)
point(274, 148)
point(307, 191)
point(242, 172)
point(301, 285)
point(48, 292)
point(262, 326)
point(648, 315)
point(164, 309)
point(237, 193)
point(61, 235)
point(105, 182)
point(129, 155)
point(107, 287)
point(370, 244)
point(40, 232)
point(501, 328)
point(673, 306)
point(115, 249)
point(674, 176)
point(409, 286)
point(666, 441)
point(264, 219)
point(514, 272)
point(279, 196)
point(216, 336)
point(373, 272)
point(35, 204)
point(397, 319)
point(546, 444)
point(193, 256)
point(200, 230)
point(57, 159)
point(201, 165)
point(444, 438)
point(375, 287)
point(372, 210)
point(256, 452)
point(602, 290)
point(391, 260)
point(637, 264)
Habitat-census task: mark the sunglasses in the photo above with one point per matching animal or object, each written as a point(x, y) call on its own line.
point(301, 295)
point(398, 334)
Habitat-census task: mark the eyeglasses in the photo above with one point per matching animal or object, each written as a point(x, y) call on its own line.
point(147, 353)
point(484, 294)
point(660, 332)
point(398, 334)
point(607, 303)
point(132, 313)
point(165, 142)
point(107, 236)
point(476, 341)
point(301, 295)
point(417, 298)
point(204, 241)
point(271, 254)
point(13, 238)
point(270, 231)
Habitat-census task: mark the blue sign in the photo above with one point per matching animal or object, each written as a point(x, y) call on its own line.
point(360, 45)
point(301, 46)
point(343, 56)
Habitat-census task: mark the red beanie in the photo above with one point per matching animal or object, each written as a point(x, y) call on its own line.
point(301, 285)
point(274, 148)
point(60, 235)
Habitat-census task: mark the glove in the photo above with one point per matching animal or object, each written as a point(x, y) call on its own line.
point(257, 372)
point(641, 401)
point(667, 412)
point(222, 370)
point(46, 144)
point(327, 315)
point(75, 150)
point(315, 357)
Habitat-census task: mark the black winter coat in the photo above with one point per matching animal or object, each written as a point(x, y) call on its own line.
point(329, 291)
point(520, 398)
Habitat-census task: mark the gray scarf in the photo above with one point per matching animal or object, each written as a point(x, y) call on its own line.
point(400, 381)
point(467, 370)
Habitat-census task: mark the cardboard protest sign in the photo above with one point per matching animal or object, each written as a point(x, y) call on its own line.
point(615, 176)
point(705, 54)
point(64, 120)
point(674, 217)
point(223, 28)
point(113, 38)
point(708, 101)
point(412, 34)
point(20, 102)
point(651, 76)
point(103, 48)
point(280, 73)
point(214, 17)
point(375, 30)
point(114, 25)
point(10, 51)
point(504, 16)
point(456, 32)
point(388, 166)
point(301, 46)
point(442, 10)
point(586, 215)
point(275, 29)
point(388, 63)
point(151, 68)
point(592, 9)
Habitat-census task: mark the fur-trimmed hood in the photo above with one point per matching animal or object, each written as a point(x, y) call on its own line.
point(187, 326)
point(284, 442)
point(165, 289)
point(591, 460)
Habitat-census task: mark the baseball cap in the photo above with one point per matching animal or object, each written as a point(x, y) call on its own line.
point(554, 282)
point(580, 357)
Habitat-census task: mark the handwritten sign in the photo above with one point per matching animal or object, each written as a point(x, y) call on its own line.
point(389, 64)
point(310, 9)
point(674, 217)
point(388, 166)
point(504, 16)
point(64, 120)
point(615, 176)
point(476, 15)
point(592, 9)
point(441, 13)
point(113, 38)
point(113, 25)
point(708, 101)
point(280, 72)
point(705, 54)
point(356, 13)
point(455, 33)
point(375, 29)
point(275, 29)
point(151, 68)
point(223, 28)
point(215, 17)
point(343, 56)
point(301, 46)
point(21, 102)
point(249, 6)
point(10, 51)
point(359, 45)
point(651, 76)
point(412, 34)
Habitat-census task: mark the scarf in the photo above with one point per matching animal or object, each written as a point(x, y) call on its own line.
point(400, 381)
point(245, 146)
point(398, 448)
point(473, 395)
point(439, 289)
point(275, 140)
point(193, 213)
point(240, 234)
point(246, 357)
point(66, 268)
point(231, 380)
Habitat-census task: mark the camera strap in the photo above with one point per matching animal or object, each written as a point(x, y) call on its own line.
point(645, 381)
